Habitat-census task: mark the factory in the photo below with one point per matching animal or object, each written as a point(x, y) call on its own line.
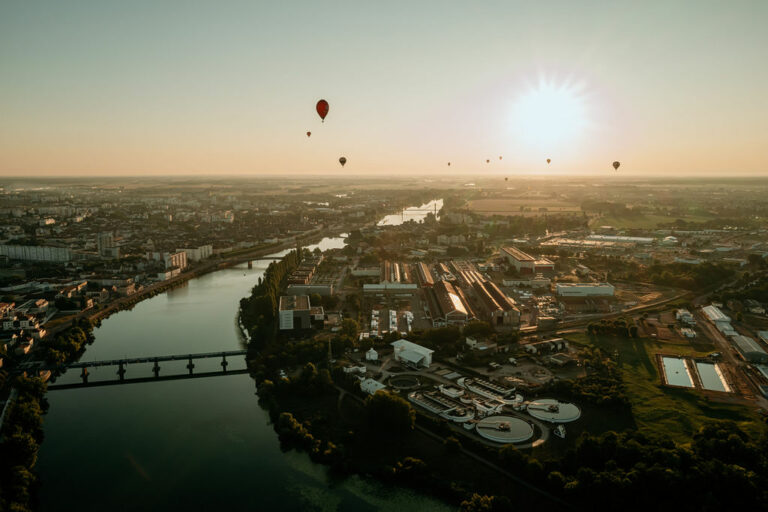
point(525, 263)
point(296, 312)
point(584, 290)
point(447, 305)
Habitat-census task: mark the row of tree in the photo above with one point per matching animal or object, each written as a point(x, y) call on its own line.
point(259, 311)
point(621, 328)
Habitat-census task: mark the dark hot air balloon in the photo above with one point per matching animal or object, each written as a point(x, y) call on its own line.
point(487, 161)
point(506, 179)
point(549, 160)
point(616, 165)
point(449, 164)
point(499, 157)
point(322, 109)
point(309, 133)
point(342, 161)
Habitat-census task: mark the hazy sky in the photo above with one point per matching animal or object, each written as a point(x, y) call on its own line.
point(176, 87)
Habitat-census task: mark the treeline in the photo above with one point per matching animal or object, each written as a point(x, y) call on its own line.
point(68, 344)
point(22, 434)
point(722, 469)
point(517, 225)
point(259, 311)
point(603, 385)
point(684, 275)
point(621, 328)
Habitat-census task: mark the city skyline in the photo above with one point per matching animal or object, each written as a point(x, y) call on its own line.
point(187, 88)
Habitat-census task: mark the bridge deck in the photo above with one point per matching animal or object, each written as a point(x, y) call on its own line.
point(36, 365)
point(138, 380)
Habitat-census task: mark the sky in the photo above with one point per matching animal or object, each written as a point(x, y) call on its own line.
point(104, 87)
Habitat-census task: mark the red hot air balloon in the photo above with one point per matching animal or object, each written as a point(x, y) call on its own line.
point(309, 133)
point(342, 161)
point(548, 160)
point(322, 109)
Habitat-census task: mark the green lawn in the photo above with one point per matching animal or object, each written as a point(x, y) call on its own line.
point(675, 413)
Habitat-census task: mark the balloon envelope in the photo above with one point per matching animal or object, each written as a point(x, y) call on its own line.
point(487, 161)
point(449, 164)
point(499, 158)
point(342, 161)
point(309, 133)
point(549, 160)
point(322, 109)
point(616, 165)
point(506, 179)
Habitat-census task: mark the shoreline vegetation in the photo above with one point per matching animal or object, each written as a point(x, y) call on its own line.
point(317, 408)
point(22, 429)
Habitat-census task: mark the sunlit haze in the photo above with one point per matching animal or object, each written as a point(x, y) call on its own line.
point(194, 87)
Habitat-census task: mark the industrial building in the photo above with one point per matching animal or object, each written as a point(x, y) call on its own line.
point(412, 354)
point(36, 253)
point(525, 263)
point(446, 305)
point(501, 310)
point(294, 312)
point(750, 349)
point(584, 290)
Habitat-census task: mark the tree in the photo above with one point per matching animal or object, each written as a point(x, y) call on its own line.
point(389, 413)
point(477, 503)
point(349, 328)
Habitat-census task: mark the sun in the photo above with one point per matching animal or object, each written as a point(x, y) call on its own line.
point(549, 116)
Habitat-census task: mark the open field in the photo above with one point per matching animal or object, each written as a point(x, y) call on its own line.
point(523, 206)
point(673, 413)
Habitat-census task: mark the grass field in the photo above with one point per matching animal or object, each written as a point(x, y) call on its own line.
point(641, 221)
point(670, 412)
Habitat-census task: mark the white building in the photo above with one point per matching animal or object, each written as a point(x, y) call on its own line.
point(176, 259)
point(412, 354)
point(584, 290)
point(201, 253)
point(685, 317)
point(371, 355)
point(371, 386)
point(36, 253)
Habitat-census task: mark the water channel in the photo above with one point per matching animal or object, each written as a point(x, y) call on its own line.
point(200, 444)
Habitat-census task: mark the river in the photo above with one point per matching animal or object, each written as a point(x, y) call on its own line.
point(200, 444)
point(414, 213)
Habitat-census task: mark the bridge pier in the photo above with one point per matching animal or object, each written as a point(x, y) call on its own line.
point(250, 263)
point(224, 362)
point(191, 365)
point(121, 371)
point(156, 369)
point(84, 375)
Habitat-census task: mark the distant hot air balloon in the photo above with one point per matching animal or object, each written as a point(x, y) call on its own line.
point(506, 179)
point(616, 165)
point(309, 133)
point(499, 157)
point(487, 161)
point(342, 161)
point(322, 109)
point(549, 160)
point(449, 164)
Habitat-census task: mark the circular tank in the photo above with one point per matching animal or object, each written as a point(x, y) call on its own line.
point(504, 429)
point(554, 411)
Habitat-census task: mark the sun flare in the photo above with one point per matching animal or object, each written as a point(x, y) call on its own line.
point(549, 116)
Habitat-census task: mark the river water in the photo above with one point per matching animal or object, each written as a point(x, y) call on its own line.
point(199, 444)
point(415, 213)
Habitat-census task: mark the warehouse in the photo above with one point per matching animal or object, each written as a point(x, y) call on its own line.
point(412, 354)
point(750, 349)
point(294, 312)
point(584, 290)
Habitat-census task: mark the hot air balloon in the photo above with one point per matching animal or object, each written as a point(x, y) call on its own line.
point(449, 164)
point(342, 161)
point(616, 165)
point(487, 161)
point(549, 160)
point(309, 133)
point(322, 109)
point(506, 179)
point(499, 157)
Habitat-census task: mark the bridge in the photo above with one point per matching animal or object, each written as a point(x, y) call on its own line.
point(122, 364)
